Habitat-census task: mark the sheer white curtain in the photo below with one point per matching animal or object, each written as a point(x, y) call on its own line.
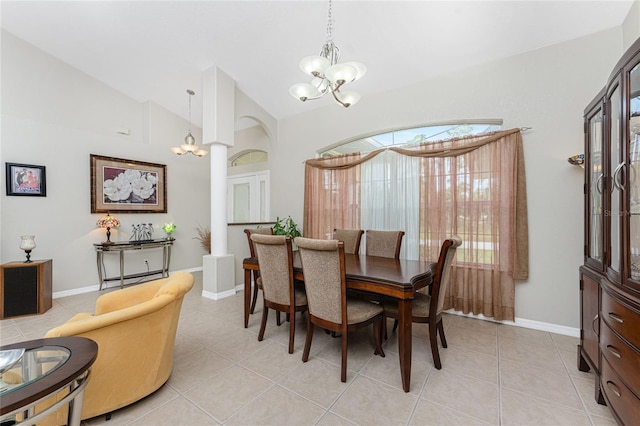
point(390, 198)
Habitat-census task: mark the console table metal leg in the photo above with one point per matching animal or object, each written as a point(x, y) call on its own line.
point(100, 272)
point(121, 269)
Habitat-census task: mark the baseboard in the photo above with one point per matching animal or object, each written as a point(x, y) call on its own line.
point(218, 296)
point(527, 323)
point(96, 287)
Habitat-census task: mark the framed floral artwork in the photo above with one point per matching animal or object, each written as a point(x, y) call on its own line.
point(127, 186)
point(26, 180)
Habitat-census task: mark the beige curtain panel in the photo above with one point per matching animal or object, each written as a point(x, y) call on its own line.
point(474, 187)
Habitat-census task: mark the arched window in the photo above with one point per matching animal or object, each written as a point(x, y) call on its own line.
point(413, 136)
point(248, 157)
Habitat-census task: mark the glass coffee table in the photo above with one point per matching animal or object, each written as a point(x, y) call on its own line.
point(36, 370)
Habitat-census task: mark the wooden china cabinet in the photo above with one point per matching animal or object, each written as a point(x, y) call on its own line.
point(610, 276)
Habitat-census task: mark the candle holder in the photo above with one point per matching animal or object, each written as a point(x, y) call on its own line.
point(27, 244)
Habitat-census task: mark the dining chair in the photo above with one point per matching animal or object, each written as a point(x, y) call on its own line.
point(275, 257)
point(351, 239)
point(427, 308)
point(257, 284)
point(323, 266)
point(384, 243)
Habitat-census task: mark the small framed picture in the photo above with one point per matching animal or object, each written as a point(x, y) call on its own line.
point(26, 180)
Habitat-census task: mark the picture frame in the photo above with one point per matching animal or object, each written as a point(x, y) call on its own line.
point(26, 180)
point(127, 186)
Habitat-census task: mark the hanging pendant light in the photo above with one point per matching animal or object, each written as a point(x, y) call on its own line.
point(328, 75)
point(189, 146)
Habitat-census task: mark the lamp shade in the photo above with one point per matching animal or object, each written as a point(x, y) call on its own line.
point(304, 91)
point(314, 65)
point(360, 68)
point(348, 98)
point(108, 221)
point(341, 73)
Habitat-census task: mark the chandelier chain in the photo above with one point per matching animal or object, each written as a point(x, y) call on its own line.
point(330, 24)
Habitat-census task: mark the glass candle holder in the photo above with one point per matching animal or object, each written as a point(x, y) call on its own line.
point(28, 243)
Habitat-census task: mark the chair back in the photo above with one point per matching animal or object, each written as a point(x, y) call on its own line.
point(351, 239)
point(324, 278)
point(384, 243)
point(275, 257)
point(250, 231)
point(442, 273)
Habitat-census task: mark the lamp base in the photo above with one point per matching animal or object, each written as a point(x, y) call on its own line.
point(28, 252)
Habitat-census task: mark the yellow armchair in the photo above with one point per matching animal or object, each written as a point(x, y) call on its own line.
point(135, 329)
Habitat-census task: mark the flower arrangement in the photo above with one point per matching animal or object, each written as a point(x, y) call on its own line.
point(204, 236)
point(168, 228)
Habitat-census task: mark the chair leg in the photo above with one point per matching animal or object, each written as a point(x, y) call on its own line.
point(307, 341)
point(378, 335)
point(433, 340)
point(343, 368)
point(395, 325)
point(441, 332)
point(263, 323)
point(292, 331)
point(278, 321)
point(254, 299)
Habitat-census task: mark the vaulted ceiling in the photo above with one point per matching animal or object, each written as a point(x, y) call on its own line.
point(156, 50)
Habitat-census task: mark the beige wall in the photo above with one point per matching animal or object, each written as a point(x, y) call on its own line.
point(54, 115)
point(546, 89)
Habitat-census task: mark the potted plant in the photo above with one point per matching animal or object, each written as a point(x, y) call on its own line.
point(286, 227)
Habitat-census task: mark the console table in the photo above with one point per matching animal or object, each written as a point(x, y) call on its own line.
point(124, 246)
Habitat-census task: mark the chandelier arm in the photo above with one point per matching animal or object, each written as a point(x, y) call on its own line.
point(344, 104)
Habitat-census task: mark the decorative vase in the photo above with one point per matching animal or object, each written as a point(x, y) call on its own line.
point(27, 244)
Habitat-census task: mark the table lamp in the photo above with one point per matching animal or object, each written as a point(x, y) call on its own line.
point(108, 222)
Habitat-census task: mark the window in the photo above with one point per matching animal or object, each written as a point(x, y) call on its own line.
point(413, 136)
point(472, 186)
point(248, 157)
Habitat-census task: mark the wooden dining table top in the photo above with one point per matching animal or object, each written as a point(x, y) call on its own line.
point(389, 276)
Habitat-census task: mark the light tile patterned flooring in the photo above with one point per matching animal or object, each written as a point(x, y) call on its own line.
point(492, 374)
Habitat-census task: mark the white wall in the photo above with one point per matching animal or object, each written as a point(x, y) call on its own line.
point(631, 25)
point(546, 89)
point(56, 116)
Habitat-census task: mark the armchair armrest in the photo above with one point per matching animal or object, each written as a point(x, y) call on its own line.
point(128, 297)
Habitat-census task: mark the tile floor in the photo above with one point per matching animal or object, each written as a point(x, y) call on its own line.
point(492, 374)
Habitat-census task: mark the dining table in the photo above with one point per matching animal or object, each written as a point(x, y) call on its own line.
point(395, 279)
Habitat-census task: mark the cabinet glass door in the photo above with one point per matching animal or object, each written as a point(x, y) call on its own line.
point(595, 185)
point(634, 169)
point(616, 185)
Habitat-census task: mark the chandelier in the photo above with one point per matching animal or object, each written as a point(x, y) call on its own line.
point(328, 75)
point(189, 146)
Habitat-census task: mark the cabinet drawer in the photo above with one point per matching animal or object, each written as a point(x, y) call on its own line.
point(621, 400)
point(622, 358)
point(621, 319)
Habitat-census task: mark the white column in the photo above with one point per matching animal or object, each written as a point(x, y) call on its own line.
point(218, 132)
